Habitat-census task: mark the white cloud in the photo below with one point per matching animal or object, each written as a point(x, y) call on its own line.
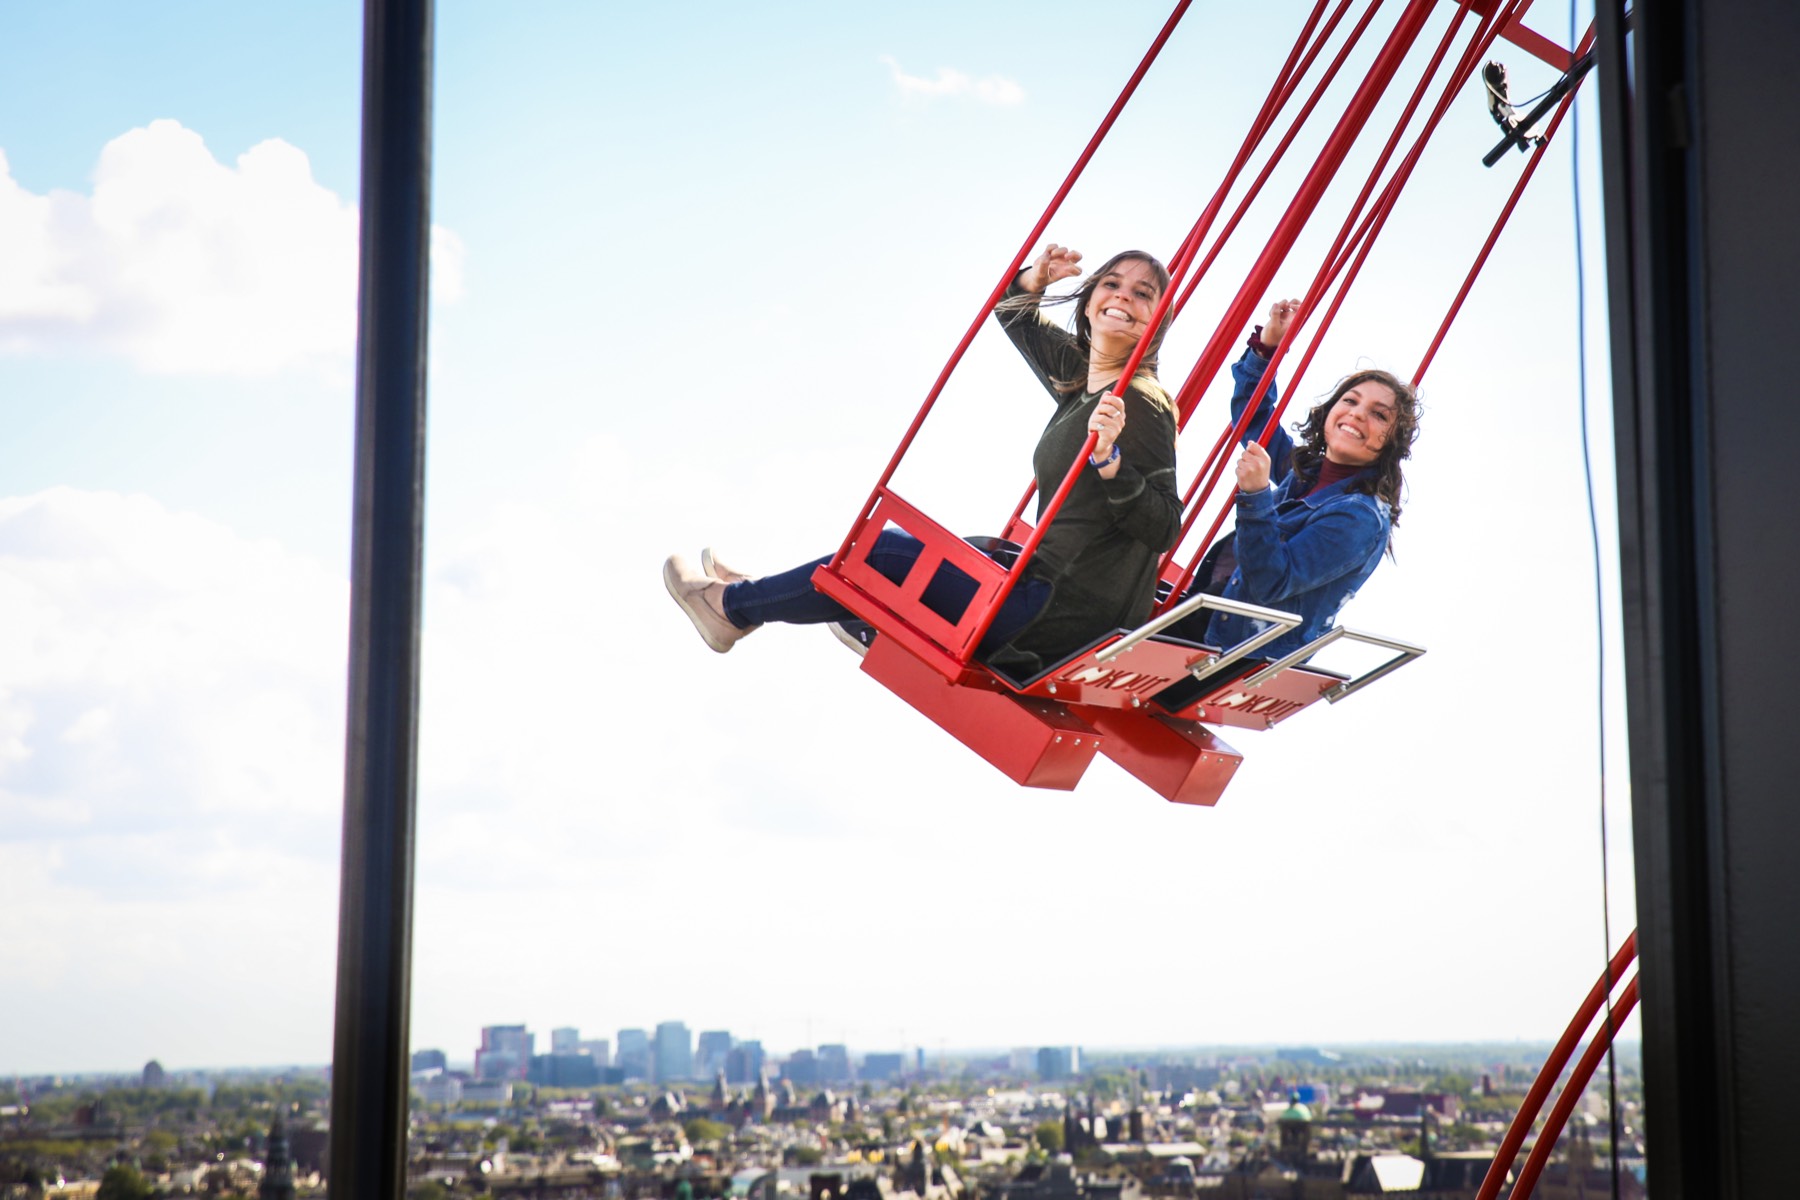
point(157, 663)
point(171, 733)
point(993, 89)
point(184, 264)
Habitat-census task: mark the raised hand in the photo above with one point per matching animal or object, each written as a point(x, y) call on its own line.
point(1055, 263)
point(1253, 466)
point(1280, 313)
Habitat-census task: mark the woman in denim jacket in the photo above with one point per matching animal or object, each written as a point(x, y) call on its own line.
point(1313, 517)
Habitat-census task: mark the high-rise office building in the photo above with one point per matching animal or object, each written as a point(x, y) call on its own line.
point(566, 1040)
point(745, 1062)
point(1059, 1062)
point(801, 1068)
point(674, 1052)
point(710, 1052)
point(428, 1060)
point(505, 1052)
point(634, 1053)
point(598, 1049)
point(834, 1063)
point(879, 1068)
point(564, 1070)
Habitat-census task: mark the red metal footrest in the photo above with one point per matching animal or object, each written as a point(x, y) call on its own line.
point(1261, 706)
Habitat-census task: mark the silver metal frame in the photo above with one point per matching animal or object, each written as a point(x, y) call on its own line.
point(1281, 623)
point(1406, 653)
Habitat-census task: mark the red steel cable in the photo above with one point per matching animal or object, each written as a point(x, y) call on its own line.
point(1340, 253)
point(1571, 1094)
point(1182, 260)
point(1350, 234)
point(1031, 239)
point(1552, 1068)
point(1287, 231)
point(1276, 155)
point(1188, 397)
point(1286, 80)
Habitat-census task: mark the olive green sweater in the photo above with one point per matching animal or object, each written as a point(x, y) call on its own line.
point(1101, 551)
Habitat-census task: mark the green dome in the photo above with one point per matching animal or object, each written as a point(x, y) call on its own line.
point(1297, 1112)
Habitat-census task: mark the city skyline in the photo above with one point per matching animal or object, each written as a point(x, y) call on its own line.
point(1112, 1056)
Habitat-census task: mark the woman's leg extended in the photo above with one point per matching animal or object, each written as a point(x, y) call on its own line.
point(790, 598)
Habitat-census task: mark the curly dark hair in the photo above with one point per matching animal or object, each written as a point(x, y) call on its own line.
point(1388, 481)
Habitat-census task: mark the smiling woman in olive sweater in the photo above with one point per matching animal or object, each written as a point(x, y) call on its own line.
point(1095, 568)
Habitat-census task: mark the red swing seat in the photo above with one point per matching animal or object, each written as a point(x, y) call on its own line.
point(1139, 696)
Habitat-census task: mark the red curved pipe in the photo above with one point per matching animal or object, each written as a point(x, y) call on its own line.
point(1571, 1094)
point(1553, 1066)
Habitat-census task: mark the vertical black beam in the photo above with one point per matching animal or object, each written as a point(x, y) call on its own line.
point(1648, 195)
point(369, 1057)
point(1704, 268)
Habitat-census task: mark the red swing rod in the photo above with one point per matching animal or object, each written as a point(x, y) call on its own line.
point(1378, 217)
point(987, 308)
point(1362, 242)
point(1512, 202)
point(1335, 261)
point(1553, 1067)
point(1286, 81)
point(1275, 157)
point(1187, 398)
point(1386, 65)
point(1356, 115)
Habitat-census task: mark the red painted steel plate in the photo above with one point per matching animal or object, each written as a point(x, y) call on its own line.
point(1181, 761)
point(1037, 743)
point(1266, 705)
point(1127, 681)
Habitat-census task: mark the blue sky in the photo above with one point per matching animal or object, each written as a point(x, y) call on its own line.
point(695, 268)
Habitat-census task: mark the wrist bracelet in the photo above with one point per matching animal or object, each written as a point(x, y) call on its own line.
point(1094, 462)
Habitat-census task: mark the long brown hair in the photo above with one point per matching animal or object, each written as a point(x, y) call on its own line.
point(1387, 480)
point(1144, 378)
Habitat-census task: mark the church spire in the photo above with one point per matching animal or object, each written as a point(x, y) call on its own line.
point(278, 1165)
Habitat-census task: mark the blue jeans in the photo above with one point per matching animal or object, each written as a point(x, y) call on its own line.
point(790, 598)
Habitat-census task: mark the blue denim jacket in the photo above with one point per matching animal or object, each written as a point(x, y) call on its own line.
point(1308, 555)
